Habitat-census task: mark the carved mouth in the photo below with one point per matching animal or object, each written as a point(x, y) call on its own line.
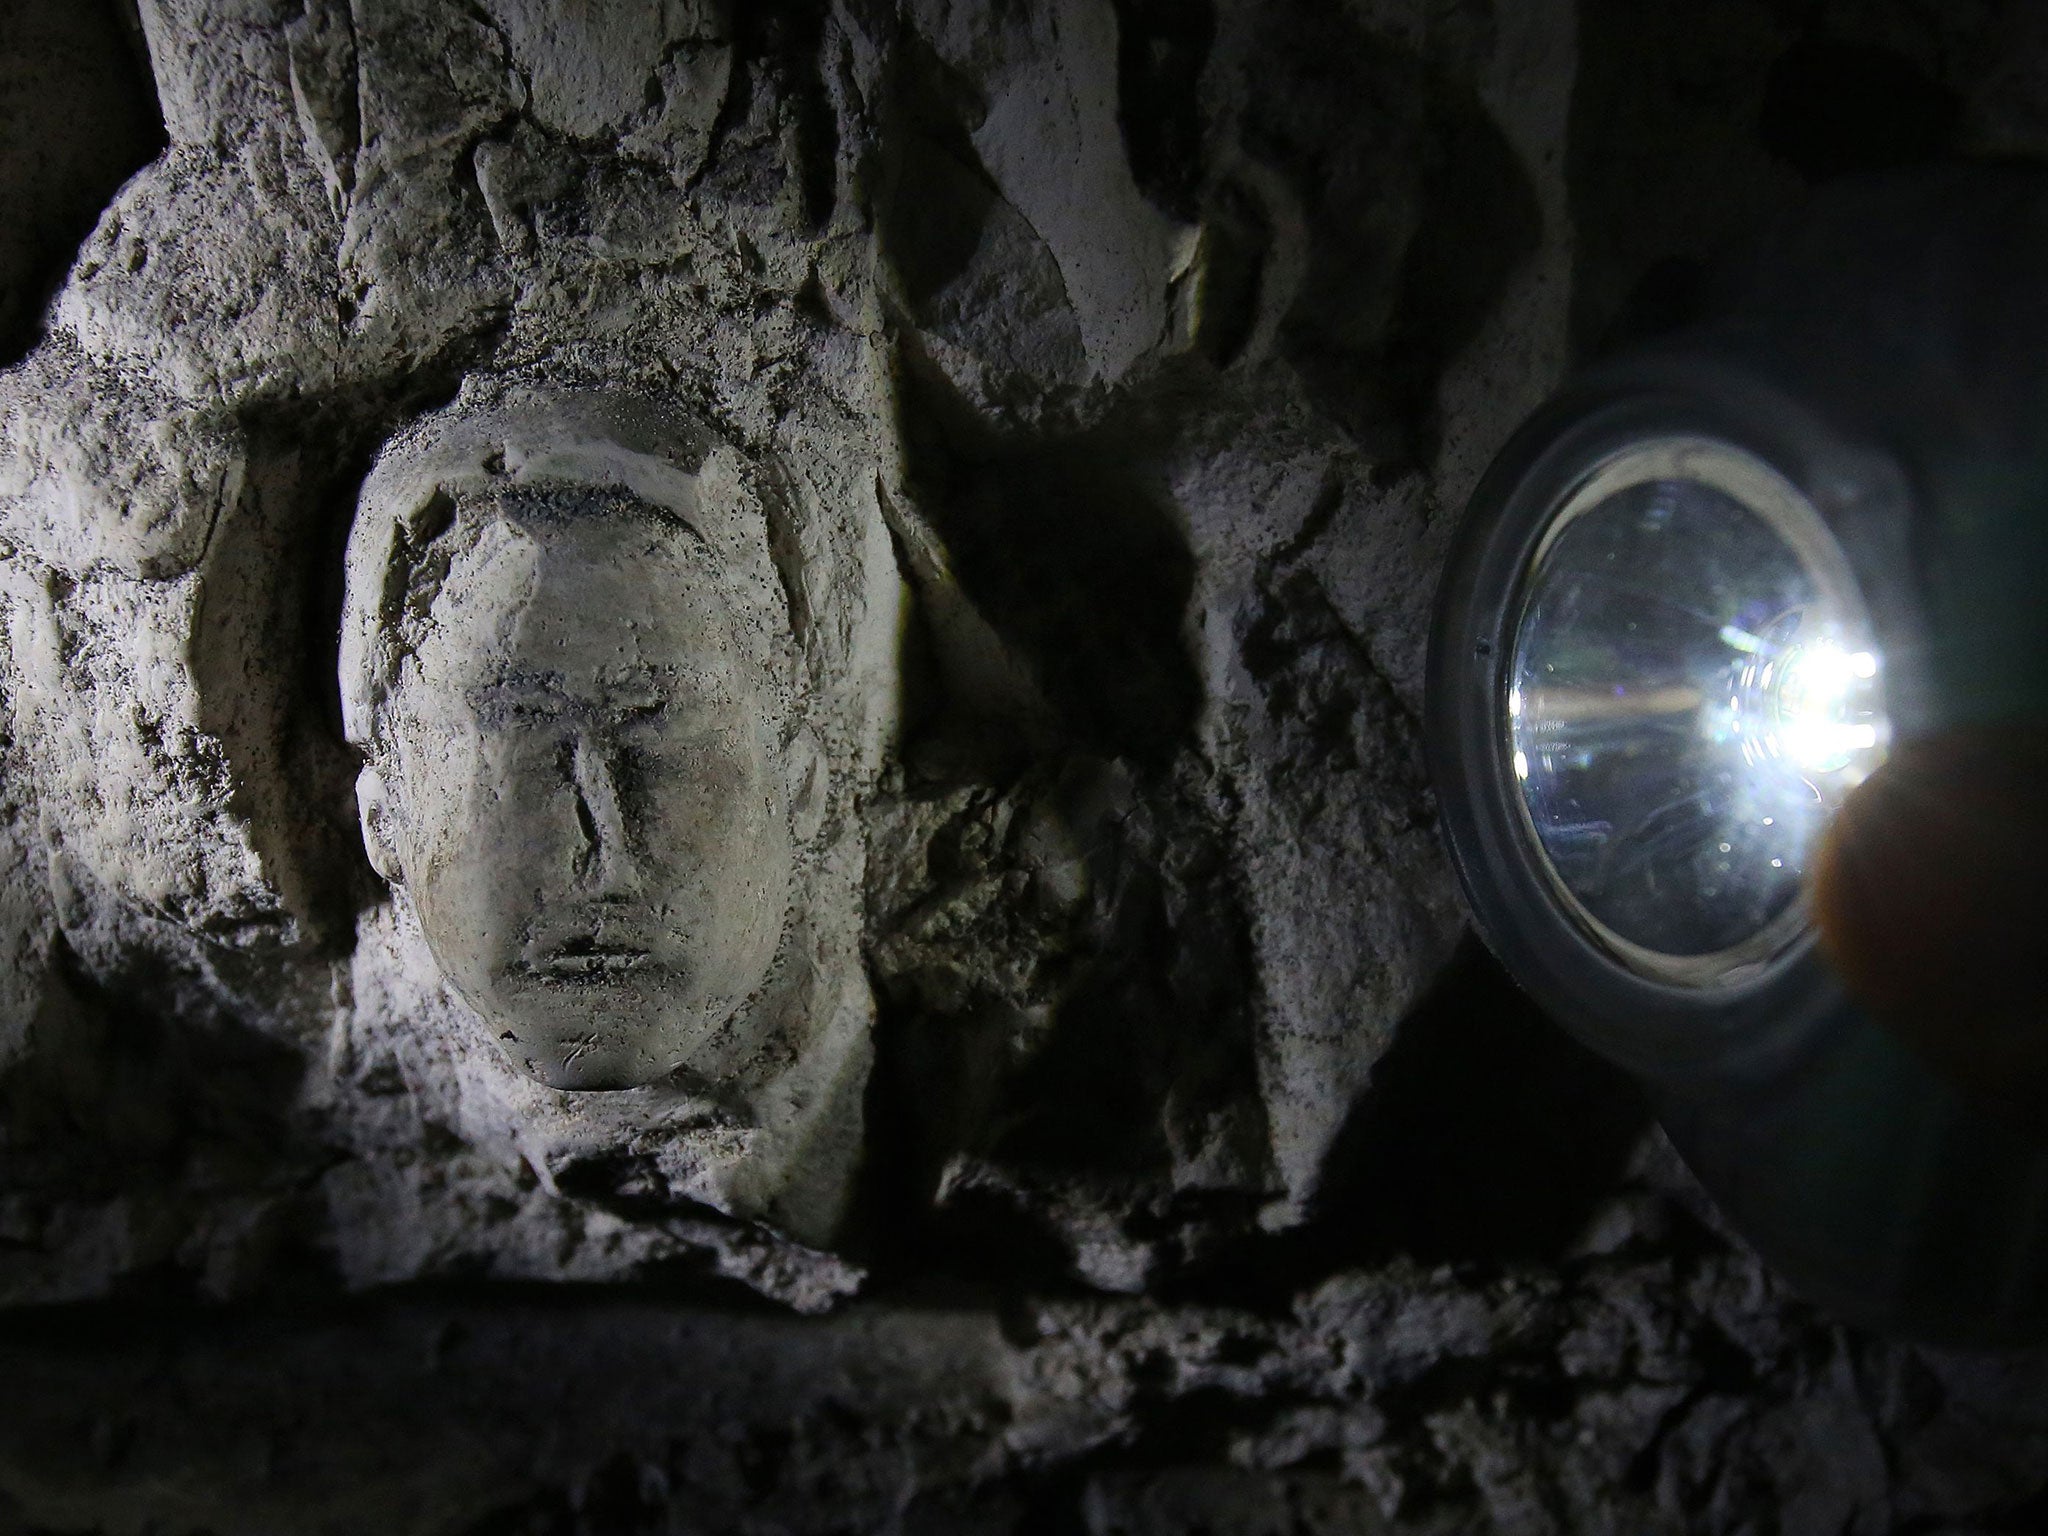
point(588, 961)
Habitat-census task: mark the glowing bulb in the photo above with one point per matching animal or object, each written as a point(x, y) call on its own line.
point(1814, 704)
point(1684, 712)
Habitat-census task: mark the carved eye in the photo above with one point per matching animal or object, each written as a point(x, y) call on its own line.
point(637, 708)
point(503, 706)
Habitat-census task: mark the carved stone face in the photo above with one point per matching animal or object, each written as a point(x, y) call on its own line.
point(586, 804)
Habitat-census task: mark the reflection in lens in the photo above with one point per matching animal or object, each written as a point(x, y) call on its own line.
point(1692, 692)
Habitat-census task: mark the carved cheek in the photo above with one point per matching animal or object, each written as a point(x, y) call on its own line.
point(698, 800)
point(703, 813)
point(444, 774)
point(523, 810)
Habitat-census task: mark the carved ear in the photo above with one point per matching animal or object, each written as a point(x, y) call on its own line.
point(810, 781)
point(373, 803)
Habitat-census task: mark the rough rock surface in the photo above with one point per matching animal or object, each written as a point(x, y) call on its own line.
point(1126, 363)
point(1148, 741)
point(1655, 1386)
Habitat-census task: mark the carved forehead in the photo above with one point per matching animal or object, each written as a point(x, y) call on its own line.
point(609, 466)
point(547, 444)
point(581, 579)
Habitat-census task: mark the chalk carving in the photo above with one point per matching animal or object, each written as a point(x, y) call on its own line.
point(563, 660)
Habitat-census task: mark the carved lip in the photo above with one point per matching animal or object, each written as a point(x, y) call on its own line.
point(587, 959)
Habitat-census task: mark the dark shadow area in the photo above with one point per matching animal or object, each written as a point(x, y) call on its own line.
point(1478, 221)
point(133, 1092)
point(1162, 46)
point(776, 83)
point(1238, 238)
point(1488, 1138)
point(1417, 213)
point(2023, 1519)
point(969, 270)
point(1077, 563)
point(1036, 1056)
point(621, 1497)
point(1694, 128)
point(120, 1107)
point(314, 744)
point(1488, 1134)
point(1672, 294)
point(252, 657)
point(78, 117)
point(932, 231)
point(266, 653)
point(1835, 108)
point(939, 197)
point(1664, 158)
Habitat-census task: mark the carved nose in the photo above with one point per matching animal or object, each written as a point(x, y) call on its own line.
point(608, 859)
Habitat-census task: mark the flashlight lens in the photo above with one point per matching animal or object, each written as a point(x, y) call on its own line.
point(1692, 693)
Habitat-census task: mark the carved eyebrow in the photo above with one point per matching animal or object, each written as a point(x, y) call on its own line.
point(559, 500)
point(642, 691)
point(521, 693)
point(636, 677)
point(518, 680)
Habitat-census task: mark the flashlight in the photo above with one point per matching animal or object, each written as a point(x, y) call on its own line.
point(1698, 602)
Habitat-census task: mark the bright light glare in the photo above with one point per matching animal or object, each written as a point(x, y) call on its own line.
point(1692, 694)
point(1818, 709)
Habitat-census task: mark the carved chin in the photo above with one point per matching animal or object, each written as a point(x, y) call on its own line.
point(596, 1064)
point(607, 1054)
point(591, 1072)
